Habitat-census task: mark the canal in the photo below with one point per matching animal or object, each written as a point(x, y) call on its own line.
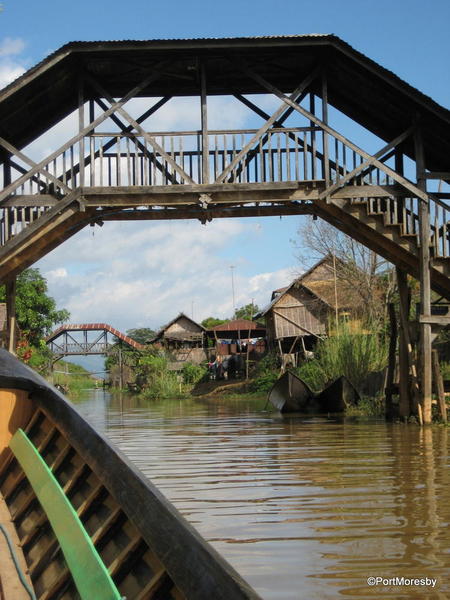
point(303, 508)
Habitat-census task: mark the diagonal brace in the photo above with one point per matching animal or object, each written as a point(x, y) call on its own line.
point(150, 139)
point(367, 163)
point(111, 142)
point(398, 178)
point(275, 116)
point(128, 129)
point(31, 163)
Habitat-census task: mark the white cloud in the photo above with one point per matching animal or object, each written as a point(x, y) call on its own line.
point(10, 46)
point(9, 71)
point(11, 68)
point(135, 275)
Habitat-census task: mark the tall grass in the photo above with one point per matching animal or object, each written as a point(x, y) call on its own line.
point(75, 380)
point(349, 352)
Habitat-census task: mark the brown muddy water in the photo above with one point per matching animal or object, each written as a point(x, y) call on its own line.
point(303, 508)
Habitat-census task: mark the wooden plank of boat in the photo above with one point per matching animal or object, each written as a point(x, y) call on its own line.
point(290, 393)
point(338, 396)
point(145, 545)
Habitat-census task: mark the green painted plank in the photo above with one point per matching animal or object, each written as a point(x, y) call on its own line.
point(88, 571)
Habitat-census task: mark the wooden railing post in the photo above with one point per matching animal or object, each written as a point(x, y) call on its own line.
point(204, 124)
point(81, 145)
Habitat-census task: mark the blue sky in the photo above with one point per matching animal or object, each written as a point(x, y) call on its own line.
point(128, 274)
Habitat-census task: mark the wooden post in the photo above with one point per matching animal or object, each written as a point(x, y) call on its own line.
point(407, 367)
point(389, 407)
point(81, 127)
point(326, 162)
point(439, 383)
point(120, 366)
point(204, 122)
point(11, 315)
point(425, 286)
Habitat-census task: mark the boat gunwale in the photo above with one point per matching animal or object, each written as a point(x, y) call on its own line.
point(195, 567)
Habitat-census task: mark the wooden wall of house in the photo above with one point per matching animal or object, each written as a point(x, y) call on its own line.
point(192, 355)
point(182, 325)
point(298, 307)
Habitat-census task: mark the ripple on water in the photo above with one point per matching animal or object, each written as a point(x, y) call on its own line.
point(303, 508)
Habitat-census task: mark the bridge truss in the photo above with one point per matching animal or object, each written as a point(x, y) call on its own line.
point(393, 199)
point(87, 339)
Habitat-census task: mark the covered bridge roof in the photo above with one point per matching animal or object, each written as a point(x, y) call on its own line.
point(358, 86)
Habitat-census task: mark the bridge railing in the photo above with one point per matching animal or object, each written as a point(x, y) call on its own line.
point(232, 156)
point(79, 349)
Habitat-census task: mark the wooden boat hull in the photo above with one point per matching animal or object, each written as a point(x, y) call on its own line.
point(58, 474)
point(338, 396)
point(290, 394)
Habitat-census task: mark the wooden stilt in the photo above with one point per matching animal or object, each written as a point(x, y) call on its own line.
point(389, 407)
point(11, 315)
point(407, 367)
point(439, 383)
point(425, 284)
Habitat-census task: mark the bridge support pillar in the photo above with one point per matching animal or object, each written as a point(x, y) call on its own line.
point(11, 315)
point(425, 285)
point(408, 384)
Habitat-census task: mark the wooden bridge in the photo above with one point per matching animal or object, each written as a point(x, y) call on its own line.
point(94, 340)
point(298, 161)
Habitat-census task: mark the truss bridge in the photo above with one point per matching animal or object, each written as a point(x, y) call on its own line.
point(329, 133)
point(87, 339)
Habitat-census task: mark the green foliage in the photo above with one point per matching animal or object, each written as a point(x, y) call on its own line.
point(159, 382)
point(349, 353)
point(445, 370)
point(193, 373)
point(312, 373)
point(36, 311)
point(266, 373)
point(247, 312)
point(141, 335)
point(212, 322)
point(264, 382)
point(367, 407)
point(75, 379)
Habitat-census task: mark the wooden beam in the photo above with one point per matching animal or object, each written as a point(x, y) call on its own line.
point(443, 320)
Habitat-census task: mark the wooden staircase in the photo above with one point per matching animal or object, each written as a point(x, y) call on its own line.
point(390, 227)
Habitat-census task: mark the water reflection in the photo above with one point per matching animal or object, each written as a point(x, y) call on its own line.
point(303, 508)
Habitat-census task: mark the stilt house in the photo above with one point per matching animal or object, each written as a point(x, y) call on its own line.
point(183, 339)
point(299, 314)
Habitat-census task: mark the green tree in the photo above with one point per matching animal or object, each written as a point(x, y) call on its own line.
point(247, 312)
point(141, 335)
point(212, 322)
point(36, 311)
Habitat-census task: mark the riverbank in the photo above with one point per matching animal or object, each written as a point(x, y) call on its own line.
point(72, 379)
